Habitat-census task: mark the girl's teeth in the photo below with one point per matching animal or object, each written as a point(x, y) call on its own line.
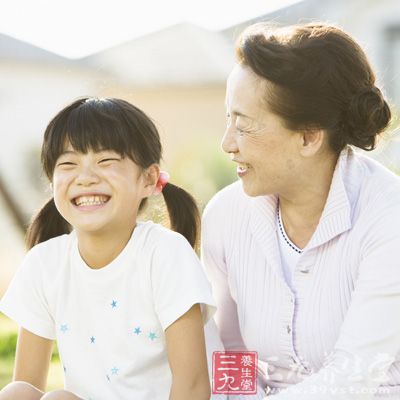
point(90, 200)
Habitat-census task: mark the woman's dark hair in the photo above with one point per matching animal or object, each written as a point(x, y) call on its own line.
point(319, 78)
point(108, 124)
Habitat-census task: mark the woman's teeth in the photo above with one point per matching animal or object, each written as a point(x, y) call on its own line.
point(243, 167)
point(91, 200)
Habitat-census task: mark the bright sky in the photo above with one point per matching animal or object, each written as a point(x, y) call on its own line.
point(76, 28)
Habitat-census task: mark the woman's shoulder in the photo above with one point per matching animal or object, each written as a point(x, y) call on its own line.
point(380, 185)
point(229, 198)
point(374, 192)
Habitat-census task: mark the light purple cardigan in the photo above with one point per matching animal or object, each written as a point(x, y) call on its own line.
point(338, 335)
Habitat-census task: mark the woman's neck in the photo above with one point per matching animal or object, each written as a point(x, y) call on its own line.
point(100, 249)
point(301, 210)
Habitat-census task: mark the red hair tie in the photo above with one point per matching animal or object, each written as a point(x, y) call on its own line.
point(162, 181)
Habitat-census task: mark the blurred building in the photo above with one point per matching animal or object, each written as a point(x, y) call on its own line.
point(176, 75)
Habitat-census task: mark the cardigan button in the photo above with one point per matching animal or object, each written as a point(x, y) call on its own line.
point(288, 329)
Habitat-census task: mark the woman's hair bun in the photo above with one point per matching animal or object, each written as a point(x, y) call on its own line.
point(367, 115)
point(321, 78)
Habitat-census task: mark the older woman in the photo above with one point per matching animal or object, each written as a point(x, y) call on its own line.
point(302, 251)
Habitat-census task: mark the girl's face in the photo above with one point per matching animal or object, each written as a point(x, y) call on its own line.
point(98, 192)
point(266, 152)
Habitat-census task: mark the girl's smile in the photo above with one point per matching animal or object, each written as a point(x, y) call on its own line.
point(98, 191)
point(90, 201)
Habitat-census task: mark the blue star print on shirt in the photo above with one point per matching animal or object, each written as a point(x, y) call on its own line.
point(114, 371)
point(114, 304)
point(92, 339)
point(137, 330)
point(152, 336)
point(63, 328)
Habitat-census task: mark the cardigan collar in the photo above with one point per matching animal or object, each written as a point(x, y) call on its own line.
point(335, 218)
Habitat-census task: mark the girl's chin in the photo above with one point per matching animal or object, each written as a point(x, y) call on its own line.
point(93, 228)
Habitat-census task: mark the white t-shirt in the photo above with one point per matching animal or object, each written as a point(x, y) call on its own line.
point(109, 323)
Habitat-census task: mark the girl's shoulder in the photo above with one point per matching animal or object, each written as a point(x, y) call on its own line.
point(152, 235)
point(51, 251)
point(44, 262)
point(162, 247)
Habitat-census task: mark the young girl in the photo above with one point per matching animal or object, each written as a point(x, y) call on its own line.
point(125, 300)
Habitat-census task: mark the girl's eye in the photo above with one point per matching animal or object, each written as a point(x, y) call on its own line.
point(66, 163)
point(109, 159)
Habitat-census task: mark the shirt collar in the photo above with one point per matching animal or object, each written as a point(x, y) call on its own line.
point(335, 218)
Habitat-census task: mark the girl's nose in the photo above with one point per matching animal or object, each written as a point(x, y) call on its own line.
point(87, 176)
point(228, 143)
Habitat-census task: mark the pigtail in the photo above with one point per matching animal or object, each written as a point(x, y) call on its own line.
point(183, 212)
point(47, 223)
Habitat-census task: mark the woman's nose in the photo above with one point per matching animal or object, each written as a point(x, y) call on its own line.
point(228, 143)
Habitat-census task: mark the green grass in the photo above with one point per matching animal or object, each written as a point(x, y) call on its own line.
point(6, 365)
point(8, 339)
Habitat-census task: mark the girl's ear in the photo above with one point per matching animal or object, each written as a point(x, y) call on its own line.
point(151, 175)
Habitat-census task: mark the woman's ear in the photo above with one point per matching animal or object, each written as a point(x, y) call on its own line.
point(312, 142)
point(151, 175)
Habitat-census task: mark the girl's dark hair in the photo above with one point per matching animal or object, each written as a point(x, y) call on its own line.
point(108, 124)
point(319, 78)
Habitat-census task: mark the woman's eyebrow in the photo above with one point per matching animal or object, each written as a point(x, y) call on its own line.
point(237, 112)
point(240, 114)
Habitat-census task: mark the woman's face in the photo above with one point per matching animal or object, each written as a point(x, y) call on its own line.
point(266, 153)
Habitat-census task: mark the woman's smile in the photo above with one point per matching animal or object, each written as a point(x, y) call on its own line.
point(242, 169)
